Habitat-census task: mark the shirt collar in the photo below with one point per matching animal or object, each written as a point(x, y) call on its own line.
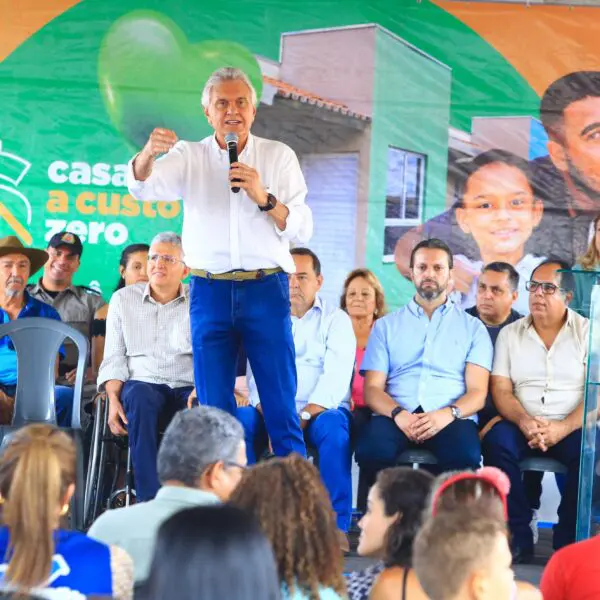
point(317, 305)
point(223, 151)
point(186, 495)
point(39, 287)
point(417, 310)
point(147, 296)
point(528, 320)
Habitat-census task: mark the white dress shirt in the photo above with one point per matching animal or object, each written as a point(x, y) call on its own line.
point(325, 352)
point(223, 231)
point(548, 383)
point(146, 340)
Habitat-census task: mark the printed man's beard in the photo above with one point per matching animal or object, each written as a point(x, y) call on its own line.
point(581, 183)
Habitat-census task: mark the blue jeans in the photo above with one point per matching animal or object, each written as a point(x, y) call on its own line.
point(329, 433)
point(63, 402)
point(456, 447)
point(504, 447)
point(148, 406)
point(255, 313)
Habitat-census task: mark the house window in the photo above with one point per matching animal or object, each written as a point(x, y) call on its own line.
point(404, 195)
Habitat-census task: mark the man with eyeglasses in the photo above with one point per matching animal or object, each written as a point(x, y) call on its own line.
point(201, 460)
point(538, 382)
point(147, 371)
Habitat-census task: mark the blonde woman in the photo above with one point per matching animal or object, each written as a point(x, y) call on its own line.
point(37, 482)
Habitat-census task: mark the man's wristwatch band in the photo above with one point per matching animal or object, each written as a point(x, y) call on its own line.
point(396, 411)
point(270, 205)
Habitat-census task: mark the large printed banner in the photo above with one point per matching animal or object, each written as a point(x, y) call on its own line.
point(478, 123)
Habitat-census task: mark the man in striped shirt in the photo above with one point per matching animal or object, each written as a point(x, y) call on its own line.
point(148, 371)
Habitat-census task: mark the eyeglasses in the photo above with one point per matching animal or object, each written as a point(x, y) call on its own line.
point(170, 260)
point(232, 463)
point(547, 288)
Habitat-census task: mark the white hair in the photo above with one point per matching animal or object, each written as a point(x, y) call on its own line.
point(168, 237)
point(227, 74)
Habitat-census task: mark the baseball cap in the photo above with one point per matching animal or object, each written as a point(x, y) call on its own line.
point(68, 239)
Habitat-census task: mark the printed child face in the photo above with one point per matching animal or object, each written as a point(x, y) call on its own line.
point(500, 211)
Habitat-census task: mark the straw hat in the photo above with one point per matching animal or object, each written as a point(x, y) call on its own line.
point(12, 245)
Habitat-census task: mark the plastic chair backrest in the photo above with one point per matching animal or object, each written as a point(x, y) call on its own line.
point(542, 464)
point(37, 341)
point(417, 457)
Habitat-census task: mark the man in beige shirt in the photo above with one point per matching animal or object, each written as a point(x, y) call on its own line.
point(538, 383)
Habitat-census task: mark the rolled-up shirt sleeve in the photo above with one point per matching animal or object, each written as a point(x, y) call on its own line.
point(377, 356)
point(481, 352)
point(114, 364)
point(292, 192)
point(501, 366)
point(165, 181)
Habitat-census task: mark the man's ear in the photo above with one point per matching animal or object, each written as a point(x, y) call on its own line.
point(319, 281)
point(558, 155)
point(186, 272)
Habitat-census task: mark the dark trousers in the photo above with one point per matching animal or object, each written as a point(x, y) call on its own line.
point(148, 405)
point(256, 313)
point(329, 433)
point(456, 447)
point(504, 446)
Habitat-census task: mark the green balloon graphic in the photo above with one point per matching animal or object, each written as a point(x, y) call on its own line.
point(151, 76)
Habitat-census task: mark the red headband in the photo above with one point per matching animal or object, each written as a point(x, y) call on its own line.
point(494, 476)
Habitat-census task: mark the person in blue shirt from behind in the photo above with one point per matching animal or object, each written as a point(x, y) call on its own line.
point(17, 264)
point(426, 371)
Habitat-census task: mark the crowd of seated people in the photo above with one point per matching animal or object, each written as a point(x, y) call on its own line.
point(482, 384)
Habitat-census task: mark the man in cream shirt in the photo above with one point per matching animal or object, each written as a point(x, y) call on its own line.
point(538, 383)
point(200, 461)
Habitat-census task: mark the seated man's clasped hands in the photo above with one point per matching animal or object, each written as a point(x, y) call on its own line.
point(147, 371)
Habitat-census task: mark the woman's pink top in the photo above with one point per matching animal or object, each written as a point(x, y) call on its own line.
point(358, 382)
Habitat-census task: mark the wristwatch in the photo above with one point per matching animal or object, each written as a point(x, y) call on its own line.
point(396, 411)
point(270, 205)
point(456, 412)
point(305, 415)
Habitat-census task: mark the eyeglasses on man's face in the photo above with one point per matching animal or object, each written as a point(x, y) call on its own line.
point(166, 258)
point(547, 288)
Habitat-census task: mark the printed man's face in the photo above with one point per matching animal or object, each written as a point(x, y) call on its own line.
point(499, 210)
point(579, 150)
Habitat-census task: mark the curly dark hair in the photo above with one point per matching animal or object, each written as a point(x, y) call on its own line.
point(291, 504)
point(404, 492)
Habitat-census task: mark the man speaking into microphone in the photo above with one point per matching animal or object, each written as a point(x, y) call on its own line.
point(239, 220)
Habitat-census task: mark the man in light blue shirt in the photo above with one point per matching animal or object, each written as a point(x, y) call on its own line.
point(325, 349)
point(426, 371)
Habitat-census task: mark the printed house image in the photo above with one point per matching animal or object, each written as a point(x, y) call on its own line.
point(368, 115)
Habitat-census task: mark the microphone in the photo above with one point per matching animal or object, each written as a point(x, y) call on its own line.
point(231, 139)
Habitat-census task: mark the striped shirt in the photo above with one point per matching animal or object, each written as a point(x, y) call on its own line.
point(148, 341)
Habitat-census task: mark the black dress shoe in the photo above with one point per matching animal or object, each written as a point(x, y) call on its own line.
point(522, 556)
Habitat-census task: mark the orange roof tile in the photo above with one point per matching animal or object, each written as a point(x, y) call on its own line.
point(286, 90)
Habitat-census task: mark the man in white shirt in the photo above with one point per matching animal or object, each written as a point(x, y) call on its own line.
point(147, 370)
point(325, 351)
point(538, 382)
point(237, 245)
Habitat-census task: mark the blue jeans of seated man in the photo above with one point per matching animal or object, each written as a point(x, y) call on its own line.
point(504, 447)
point(456, 447)
point(63, 402)
point(147, 407)
point(256, 314)
point(329, 433)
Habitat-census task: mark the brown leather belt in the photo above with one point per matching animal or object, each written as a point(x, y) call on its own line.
point(236, 275)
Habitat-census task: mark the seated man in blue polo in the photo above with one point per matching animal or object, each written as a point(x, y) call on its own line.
point(325, 349)
point(147, 370)
point(426, 369)
point(17, 264)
